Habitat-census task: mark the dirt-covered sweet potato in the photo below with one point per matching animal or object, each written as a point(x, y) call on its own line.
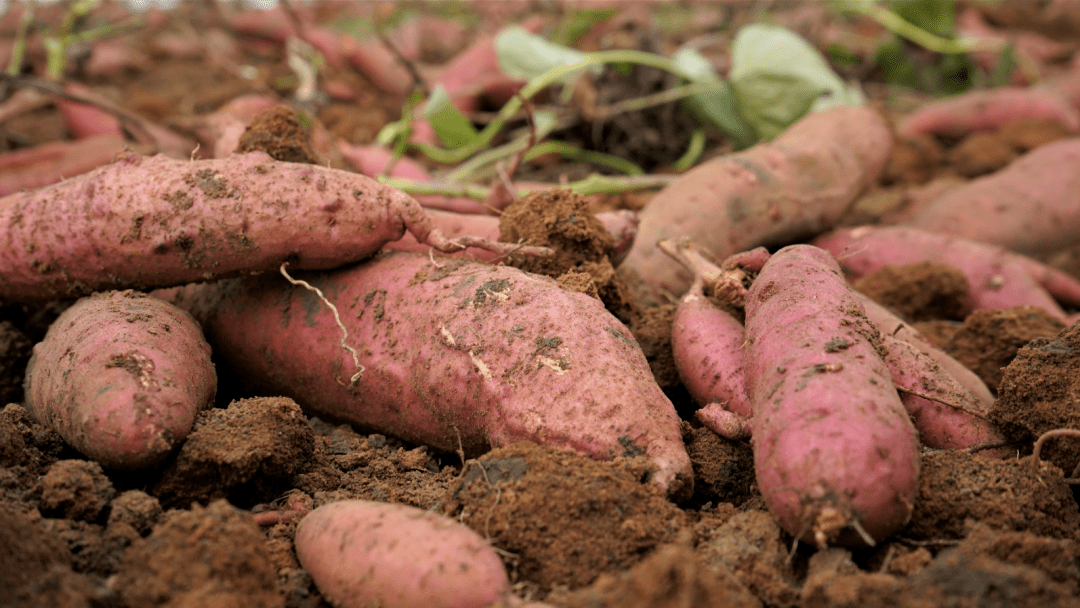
point(772, 194)
point(121, 376)
point(836, 457)
point(453, 351)
point(146, 222)
point(362, 553)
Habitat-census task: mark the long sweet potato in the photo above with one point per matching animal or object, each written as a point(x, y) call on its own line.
point(153, 222)
point(772, 194)
point(121, 376)
point(997, 278)
point(989, 109)
point(1031, 206)
point(834, 450)
point(454, 351)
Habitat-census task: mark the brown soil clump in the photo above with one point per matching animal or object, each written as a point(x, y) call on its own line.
point(565, 518)
point(1038, 393)
point(279, 133)
point(989, 339)
point(919, 292)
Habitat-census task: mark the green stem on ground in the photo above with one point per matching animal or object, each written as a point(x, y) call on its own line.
point(593, 184)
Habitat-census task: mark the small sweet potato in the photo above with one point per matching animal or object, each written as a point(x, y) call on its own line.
point(997, 278)
point(775, 193)
point(155, 221)
point(121, 376)
point(837, 458)
point(456, 354)
point(1031, 206)
point(362, 553)
point(988, 109)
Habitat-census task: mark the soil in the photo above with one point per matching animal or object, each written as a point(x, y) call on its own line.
point(214, 525)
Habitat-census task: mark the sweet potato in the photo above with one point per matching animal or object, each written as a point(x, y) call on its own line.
point(988, 109)
point(454, 351)
point(144, 222)
point(1031, 206)
point(121, 376)
point(363, 553)
point(707, 344)
point(997, 278)
point(834, 450)
point(772, 194)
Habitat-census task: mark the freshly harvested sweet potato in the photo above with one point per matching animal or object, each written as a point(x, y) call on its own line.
point(1031, 206)
point(997, 278)
point(362, 553)
point(988, 109)
point(153, 222)
point(455, 353)
point(772, 194)
point(121, 376)
point(837, 458)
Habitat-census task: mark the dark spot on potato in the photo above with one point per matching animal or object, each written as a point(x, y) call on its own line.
point(630, 450)
point(180, 200)
point(837, 344)
point(552, 342)
point(497, 289)
point(207, 180)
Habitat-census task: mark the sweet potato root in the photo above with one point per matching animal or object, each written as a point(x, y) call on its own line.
point(121, 376)
point(997, 278)
point(153, 222)
point(362, 553)
point(772, 194)
point(1031, 206)
point(834, 450)
point(454, 351)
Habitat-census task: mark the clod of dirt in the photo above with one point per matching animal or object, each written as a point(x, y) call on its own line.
point(559, 219)
point(567, 518)
point(1029, 133)
point(914, 160)
point(671, 577)
point(213, 556)
point(938, 332)
point(1004, 494)
point(136, 509)
point(249, 451)
point(989, 339)
point(35, 568)
point(75, 489)
point(751, 545)
point(919, 292)
point(1057, 557)
point(15, 350)
point(651, 328)
point(1038, 393)
point(279, 133)
point(980, 153)
point(723, 469)
point(834, 581)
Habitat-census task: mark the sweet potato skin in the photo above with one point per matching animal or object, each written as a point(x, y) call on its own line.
point(454, 351)
point(772, 194)
point(153, 222)
point(1031, 206)
point(831, 438)
point(988, 109)
point(362, 553)
point(121, 376)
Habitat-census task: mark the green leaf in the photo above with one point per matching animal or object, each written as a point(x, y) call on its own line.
point(718, 109)
point(525, 55)
point(451, 126)
point(935, 16)
point(576, 23)
point(778, 77)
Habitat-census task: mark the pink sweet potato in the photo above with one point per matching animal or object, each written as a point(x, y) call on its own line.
point(143, 222)
point(54, 161)
point(121, 376)
point(453, 351)
point(837, 458)
point(988, 109)
point(772, 194)
point(362, 553)
point(707, 343)
point(1031, 206)
point(997, 278)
